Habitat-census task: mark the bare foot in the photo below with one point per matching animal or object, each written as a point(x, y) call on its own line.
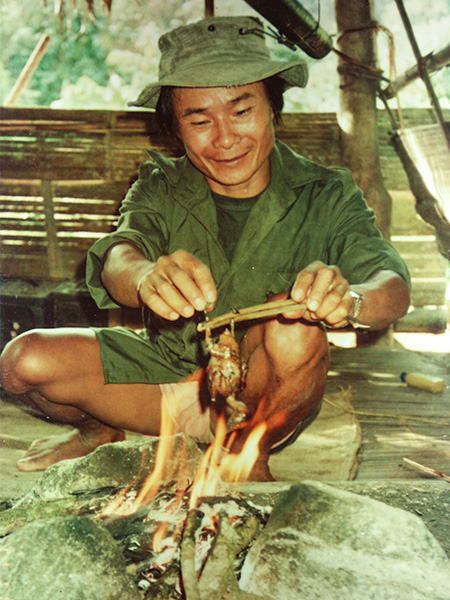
point(79, 442)
point(261, 472)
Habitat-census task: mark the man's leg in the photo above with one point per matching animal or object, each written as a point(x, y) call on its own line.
point(60, 373)
point(287, 366)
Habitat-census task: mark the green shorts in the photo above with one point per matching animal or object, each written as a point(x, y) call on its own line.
point(130, 356)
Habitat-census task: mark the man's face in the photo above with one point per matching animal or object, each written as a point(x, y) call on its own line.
point(228, 135)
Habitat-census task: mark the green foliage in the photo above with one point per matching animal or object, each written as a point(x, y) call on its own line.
point(105, 64)
point(74, 52)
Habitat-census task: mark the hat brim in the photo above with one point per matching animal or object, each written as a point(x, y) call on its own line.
point(294, 74)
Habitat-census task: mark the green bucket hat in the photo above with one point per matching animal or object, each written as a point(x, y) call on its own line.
point(216, 52)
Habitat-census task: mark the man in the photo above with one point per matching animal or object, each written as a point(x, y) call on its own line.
point(238, 220)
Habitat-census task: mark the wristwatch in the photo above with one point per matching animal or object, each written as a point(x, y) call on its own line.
point(352, 318)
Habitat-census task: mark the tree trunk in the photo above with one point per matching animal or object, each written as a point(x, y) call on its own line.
point(357, 105)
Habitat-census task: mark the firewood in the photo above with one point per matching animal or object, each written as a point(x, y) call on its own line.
point(188, 571)
point(218, 580)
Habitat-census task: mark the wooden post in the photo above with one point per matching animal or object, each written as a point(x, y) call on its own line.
point(357, 105)
point(53, 251)
point(28, 70)
point(357, 119)
point(423, 72)
point(209, 8)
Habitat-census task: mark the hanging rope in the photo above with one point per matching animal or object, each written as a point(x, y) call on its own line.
point(362, 70)
point(367, 70)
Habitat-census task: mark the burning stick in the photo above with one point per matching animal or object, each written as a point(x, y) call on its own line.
point(217, 580)
point(427, 470)
point(188, 572)
point(260, 311)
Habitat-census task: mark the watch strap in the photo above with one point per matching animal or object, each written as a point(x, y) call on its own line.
point(352, 317)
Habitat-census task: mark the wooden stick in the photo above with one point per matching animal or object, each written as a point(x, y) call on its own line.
point(423, 469)
point(187, 558)
point(260, 311)
point(28, 70)
point(209, 8)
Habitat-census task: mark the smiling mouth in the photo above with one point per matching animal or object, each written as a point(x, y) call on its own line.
point(227, 161)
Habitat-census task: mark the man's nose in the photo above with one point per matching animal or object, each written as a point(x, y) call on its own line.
point(226, 134)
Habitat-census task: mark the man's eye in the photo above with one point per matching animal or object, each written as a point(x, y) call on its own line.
point(244, 111)
point(197, 123)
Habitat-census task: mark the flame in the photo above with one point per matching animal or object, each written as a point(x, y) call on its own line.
point(206, 479)
point(151, 487)
point(238, 466)
point(153, 482)
point(159, 536)
point(218, 464)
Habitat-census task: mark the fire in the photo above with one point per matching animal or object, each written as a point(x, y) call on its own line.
point(238, 467)
point(120, 506)
point(159, 536)
point(218, 464)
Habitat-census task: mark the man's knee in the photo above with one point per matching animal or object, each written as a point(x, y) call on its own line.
point(295, 343)
point(22, 362)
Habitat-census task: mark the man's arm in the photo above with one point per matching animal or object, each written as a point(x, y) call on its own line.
point(173, 286)
point(328, 299)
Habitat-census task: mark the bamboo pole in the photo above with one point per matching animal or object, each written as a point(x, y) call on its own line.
point(432, 62)
point(27, 72)
point(423, 70)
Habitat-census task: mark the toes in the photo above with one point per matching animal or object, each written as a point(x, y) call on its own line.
point(34, 445)
point(30, 464)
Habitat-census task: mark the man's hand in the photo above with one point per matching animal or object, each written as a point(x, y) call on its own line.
point(326, 294)
point(177, 285)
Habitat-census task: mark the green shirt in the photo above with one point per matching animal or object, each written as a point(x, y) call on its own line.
point(232, 215)
point(307, 213)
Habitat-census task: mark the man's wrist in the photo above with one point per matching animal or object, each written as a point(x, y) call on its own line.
point(352, 317)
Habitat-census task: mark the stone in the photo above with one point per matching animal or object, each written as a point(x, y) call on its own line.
point(71, 558)
point(321, 543)
point(115, 465)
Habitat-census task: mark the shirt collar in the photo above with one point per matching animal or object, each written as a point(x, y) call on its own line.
point(289, 171)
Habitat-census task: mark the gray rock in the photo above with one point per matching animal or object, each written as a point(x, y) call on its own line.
point(115, 465)
point(321, 543)
point(69, 558)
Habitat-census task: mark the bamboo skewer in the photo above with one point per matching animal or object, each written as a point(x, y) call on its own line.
point(260, 311)
point(427, 470)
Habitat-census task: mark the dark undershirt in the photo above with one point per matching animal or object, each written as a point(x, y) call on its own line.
point(232, 215)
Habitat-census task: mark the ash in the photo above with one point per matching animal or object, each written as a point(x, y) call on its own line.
point(157, 538)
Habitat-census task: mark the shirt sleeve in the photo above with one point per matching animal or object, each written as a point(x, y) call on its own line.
point(355, 245)
point(142, 222)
